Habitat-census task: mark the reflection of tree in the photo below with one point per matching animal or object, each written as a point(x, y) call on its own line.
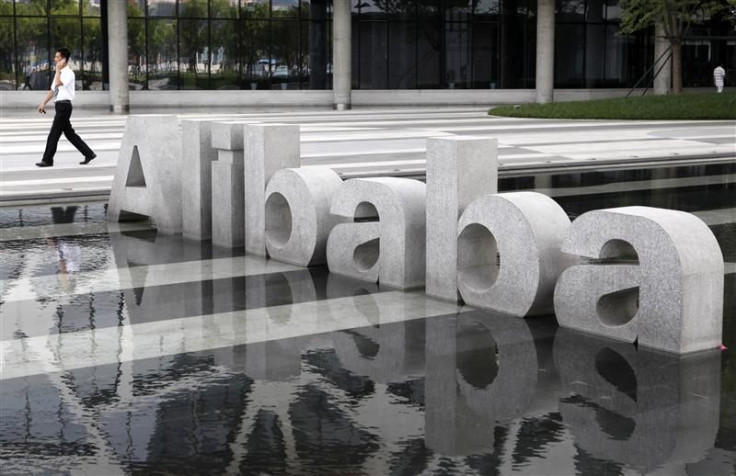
point(136, 38)
point(6, 42)
point(193, 34)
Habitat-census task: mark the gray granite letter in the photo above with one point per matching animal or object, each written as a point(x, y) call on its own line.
point(509, 252)
point(268, 148)
point(400, 206)
point(653, 275)
point(148, 178)
point(459, 170)
point(196, 178)
point(297, 214)
point(228, 225)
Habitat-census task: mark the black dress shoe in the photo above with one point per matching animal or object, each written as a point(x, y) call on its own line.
point(44, 164)
point(87, 160)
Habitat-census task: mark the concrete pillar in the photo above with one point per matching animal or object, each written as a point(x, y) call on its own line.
point(545, 50)
point(663, 81)
point(341, 51)
point(117, 34)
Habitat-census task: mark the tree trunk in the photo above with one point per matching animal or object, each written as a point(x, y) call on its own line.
point(676, 66)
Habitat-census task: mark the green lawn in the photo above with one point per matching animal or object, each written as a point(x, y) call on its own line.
point(685, 106)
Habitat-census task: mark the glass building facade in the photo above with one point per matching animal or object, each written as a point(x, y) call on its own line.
point(287, 44)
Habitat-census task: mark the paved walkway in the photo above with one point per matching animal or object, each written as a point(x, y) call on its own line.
point(369, 142)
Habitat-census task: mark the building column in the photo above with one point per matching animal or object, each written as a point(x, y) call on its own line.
point(545, 51)
point(663, 80)
point(341, 51)
point(117, 38)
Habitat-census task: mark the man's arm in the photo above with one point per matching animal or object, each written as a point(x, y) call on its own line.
point(42, 106)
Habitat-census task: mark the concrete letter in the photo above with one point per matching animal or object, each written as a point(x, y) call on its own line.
point(523, 230)
point(148, 179)
point(297, 214)
point(459, 170)
point(400, 205)
point(196, 179)
point(654, 275)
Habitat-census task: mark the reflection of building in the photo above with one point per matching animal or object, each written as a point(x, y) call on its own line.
point(473, 47)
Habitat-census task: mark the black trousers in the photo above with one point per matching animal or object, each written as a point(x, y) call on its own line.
point(63, 125)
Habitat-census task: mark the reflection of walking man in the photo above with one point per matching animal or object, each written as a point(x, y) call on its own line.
point(62, 92)
point(28, 72)
point(719, 76)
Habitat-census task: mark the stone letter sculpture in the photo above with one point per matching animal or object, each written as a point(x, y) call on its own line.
point(671, 299)
point(147, 179)
point(297, 214)
point(400, 205)
point(459, 170)
point(228, 194)
point(268, 148)
point(524, 229)
point(196, 179)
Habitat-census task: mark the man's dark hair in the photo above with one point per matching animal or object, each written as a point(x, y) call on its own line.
point(64, 53)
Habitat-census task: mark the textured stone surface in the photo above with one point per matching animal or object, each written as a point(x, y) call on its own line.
point(671, 299)
point(268, 148)
point(363, 239)
point(524, 229)
point(228, 195)
point(148, 176)
point(400, 205)
point(462, 406)
point(297, 214)
point(459, 170)
point(666, 408)
point(196, 179)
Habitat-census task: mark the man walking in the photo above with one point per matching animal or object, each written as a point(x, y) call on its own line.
point(719, 75)
point(62, 92)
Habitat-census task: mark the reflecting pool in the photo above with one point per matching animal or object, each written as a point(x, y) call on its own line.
point(127, 351)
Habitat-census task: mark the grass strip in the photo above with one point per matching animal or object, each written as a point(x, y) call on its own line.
point(682, 107)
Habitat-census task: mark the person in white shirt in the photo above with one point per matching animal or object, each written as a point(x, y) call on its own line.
point(62, 92)
point(719, 76)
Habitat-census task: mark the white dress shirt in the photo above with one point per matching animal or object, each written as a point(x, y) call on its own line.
point(66, 90)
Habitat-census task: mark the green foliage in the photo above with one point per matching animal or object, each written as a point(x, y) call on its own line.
point(676, 16)
point(688, 106)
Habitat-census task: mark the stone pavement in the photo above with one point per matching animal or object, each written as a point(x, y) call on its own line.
point(367, 142)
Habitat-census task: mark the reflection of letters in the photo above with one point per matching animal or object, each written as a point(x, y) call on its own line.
point(481, 369)
point(661, 279)
point(638, 407)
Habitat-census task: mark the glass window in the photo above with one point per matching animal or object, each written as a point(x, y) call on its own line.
point(255, 9)
point(457, 55)
point(8, 80)
point(162, 59)
point(92, 8)
point(486, 8)
point(613, 10)
point(224, 9)
point(256, 54)
point(318, 9)
point(595, 11)
point(373, 54)
point(595, 56)
point(372, 9)
point(225, 64)
point(92, 50)
point(617, 48)
point(402, 63)
point(137, 64)
point(65, 7)
point(137, 9)
point(569, 56)
point(193, 54)
point(161, 8)
point(285, 50)
point(315, 72)
point(66, 33)
point(570, 10)
point(193, 9)
point(458, 10)
point(285, 8)
point(429, 46)
point(33, 51)
point(485, 51)
point(30, 7)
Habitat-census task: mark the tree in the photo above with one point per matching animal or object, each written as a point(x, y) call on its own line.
point(676, 18)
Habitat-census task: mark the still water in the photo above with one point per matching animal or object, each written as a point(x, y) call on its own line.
point(129, 352)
